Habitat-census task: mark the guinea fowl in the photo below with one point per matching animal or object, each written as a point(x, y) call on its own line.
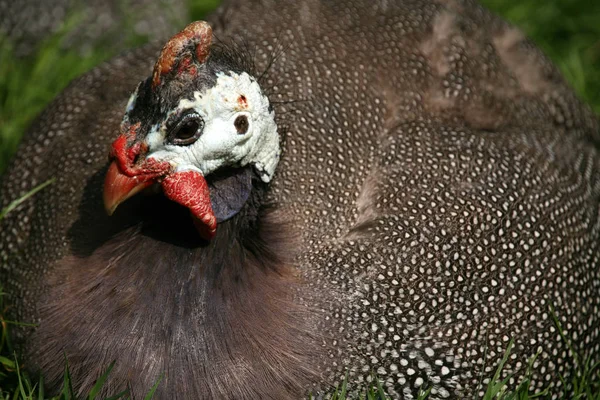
point(390, 187)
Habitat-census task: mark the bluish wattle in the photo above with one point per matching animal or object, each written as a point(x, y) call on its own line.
point(229, 191)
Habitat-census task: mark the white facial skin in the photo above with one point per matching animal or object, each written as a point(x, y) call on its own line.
point(220, 144)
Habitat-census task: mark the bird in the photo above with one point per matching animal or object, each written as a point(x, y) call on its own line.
point(293, 194)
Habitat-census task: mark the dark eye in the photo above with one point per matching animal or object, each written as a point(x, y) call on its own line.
point(241, 124)
point(187, 130)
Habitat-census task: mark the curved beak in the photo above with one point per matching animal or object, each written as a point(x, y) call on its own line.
point(187, 188)
point(118, 187)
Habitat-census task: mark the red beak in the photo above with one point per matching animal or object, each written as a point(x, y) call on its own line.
point(188, 188)
point(118, 187)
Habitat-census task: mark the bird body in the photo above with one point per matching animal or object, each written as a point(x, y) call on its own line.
point(435, 196)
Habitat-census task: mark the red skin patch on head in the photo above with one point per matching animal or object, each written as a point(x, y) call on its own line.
point(242, 101)
point(198, 34)
point(187, 66)
point(190, 189)
point(126, 156)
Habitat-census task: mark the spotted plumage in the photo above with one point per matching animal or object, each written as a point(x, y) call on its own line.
point(437, 195)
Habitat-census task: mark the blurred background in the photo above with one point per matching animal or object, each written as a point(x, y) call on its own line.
point(44, 44)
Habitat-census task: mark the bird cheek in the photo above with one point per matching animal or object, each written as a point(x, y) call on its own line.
point(189, 188)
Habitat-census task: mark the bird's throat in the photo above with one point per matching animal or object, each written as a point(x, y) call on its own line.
point(223, 302)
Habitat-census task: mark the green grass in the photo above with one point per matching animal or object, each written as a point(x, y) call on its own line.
point(28, 84)
point(569, 33)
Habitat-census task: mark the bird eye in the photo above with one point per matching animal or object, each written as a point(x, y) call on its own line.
point(187, 130)
point(241, 124)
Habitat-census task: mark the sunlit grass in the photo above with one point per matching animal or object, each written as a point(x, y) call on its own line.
point(568, 31)
point(28, 84)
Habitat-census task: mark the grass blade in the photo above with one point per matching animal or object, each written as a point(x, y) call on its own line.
point(380, 390)
point(7, 363)
point(151, 392)
point(21, 388)
point(495, 387)
point(41, 388)
point(67, 391)
point(100, 382)
point(344, 386)
point(119, 395)
point(27, 195)
point(423, 393)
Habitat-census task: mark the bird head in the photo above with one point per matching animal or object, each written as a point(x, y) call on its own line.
point(197, 114)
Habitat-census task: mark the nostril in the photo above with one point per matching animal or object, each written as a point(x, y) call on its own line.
point(136, 158)
point(137, 153)
point(140, 154)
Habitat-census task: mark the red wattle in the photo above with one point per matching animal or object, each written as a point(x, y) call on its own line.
point(189, 188)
